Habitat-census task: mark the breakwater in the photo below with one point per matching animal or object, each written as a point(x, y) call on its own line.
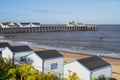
point(46, 29)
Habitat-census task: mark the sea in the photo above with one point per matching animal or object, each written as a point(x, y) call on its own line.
point(105, 41)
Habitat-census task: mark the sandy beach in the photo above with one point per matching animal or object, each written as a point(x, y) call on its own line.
point(69, 56)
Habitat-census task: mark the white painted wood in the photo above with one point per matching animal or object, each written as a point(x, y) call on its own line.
point(18, 55)
point(78, 68)
point(103, 71)
point(84, 73)
point(36, 61)
point(60, 63)
point(7, 53)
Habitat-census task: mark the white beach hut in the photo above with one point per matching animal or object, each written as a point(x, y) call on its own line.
point(3, 45)
point(48, 61)
point(88, 68)
point(17, 53)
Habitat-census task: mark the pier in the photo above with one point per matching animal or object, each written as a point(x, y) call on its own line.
point(46, 29)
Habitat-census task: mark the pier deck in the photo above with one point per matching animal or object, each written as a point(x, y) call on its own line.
point(46, 29)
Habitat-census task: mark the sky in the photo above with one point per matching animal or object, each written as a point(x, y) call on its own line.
point(60, 11)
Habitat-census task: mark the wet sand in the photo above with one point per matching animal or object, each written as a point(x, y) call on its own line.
point(69, 56)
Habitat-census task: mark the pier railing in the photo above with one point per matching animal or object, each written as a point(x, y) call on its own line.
point(46, 29)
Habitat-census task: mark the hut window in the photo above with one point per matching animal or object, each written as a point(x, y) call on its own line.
point(23, 58)
point(54, 66)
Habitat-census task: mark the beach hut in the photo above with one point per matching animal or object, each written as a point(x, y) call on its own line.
point(48, 61)
point(88, 68)
point(3, 45)
point(18, 54)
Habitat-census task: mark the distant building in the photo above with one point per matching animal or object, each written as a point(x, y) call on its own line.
point(88, 68)
point(75, 24)
point(35, 24)
point(24, 24)
point(29, 24)
point(9, 25)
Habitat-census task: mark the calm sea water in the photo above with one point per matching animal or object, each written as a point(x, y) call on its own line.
point(79, 41)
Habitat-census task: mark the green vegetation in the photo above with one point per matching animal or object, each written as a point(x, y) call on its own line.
point(8, 71)
point(72, 76)
point(27, 72)
point(5, 65)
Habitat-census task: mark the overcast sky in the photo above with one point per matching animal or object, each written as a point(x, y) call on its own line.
point(61, 11)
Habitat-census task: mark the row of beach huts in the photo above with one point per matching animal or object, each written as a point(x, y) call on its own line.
point(53, 61)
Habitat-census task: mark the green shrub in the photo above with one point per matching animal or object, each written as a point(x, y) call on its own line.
point(72, 76)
